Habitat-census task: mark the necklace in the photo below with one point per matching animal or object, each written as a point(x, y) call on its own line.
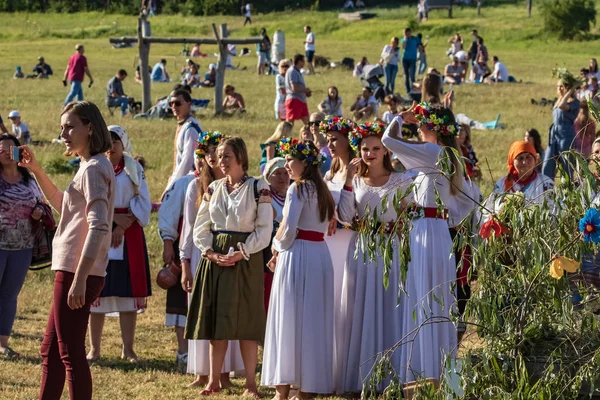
point(236, 185)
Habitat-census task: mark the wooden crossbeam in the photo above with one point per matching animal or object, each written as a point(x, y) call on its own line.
point(133, 39)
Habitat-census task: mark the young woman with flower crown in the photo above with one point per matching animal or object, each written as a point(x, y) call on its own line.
point(429, 333)
point(339, 234)
point(373, 320)
point(299, 337)
point(207, 171)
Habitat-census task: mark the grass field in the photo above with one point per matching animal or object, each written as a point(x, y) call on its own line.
point(528, 53)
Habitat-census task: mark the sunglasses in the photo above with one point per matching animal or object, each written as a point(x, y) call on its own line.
point(175, 103)
point(314, 123)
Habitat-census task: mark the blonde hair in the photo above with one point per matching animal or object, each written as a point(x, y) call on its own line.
point(283, 130)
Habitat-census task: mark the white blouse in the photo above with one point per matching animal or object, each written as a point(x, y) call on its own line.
point(186, 244)
point(125, 196)
point(355, 203)
point(301, 211)
point(237, 211)
point(535, 192)
point(171, 208)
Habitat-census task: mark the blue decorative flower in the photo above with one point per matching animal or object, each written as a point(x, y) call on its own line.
point(590, 226)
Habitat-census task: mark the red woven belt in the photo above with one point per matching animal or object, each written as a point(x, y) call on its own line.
point(311, 236)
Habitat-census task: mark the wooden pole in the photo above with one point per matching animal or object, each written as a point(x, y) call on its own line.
point(144, 49)
point(221, 64)
point(479, 3)
point(450, 9)
point(529, 5)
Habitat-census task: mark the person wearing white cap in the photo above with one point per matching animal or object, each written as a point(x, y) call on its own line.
point(19, 128)
point(127, 284)
point(211, 76)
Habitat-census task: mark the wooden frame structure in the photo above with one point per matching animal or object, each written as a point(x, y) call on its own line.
point(144, 38)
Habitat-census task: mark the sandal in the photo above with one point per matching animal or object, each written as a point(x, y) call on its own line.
point(10, 354)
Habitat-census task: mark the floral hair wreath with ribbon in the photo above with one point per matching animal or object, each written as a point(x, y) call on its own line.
point(207, 139)
point(364, 130)
point(304, 151)
point(428, 118)
point(336, 124)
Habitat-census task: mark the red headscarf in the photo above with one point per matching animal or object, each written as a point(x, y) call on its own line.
point(517, 148)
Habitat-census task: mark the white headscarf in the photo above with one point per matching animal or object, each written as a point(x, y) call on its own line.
point(131, 166)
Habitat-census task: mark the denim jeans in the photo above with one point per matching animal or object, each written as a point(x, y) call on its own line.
point(122, 102)
point(410, 69)
point(391, 70)
point(422, 64)
point(76, 90)
point(14, 265)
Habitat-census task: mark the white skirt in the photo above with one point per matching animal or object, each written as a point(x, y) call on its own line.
point(431, 272)
point(374, 320)
point(338, 246)
point(299, 337)
point(113, 306)
point(199, 350)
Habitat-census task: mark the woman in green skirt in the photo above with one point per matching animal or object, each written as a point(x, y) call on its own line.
point(233, 226)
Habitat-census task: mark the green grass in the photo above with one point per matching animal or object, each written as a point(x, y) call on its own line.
point(528, 53)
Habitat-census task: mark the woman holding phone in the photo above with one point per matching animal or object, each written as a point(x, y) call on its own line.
point(80, 248)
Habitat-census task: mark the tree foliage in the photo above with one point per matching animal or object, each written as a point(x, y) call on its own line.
point(568, 18)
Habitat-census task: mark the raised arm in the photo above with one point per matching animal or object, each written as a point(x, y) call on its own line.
point(51, 192)
point(286, 235)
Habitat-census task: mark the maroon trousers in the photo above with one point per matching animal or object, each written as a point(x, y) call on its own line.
point(63, 347)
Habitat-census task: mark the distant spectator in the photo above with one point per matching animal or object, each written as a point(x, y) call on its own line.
point(263, 50)
point(332, 105)
point(500, 73)
point(75, 71)
point(195, 52)
point(422, 10)
point(591, 90)
point(247, 11)
point(192, 78)
point(474, 46)
point(19, 128)
point(456, 45)
point(296, 92)
point(358, 68)
point(392, 108)
point(187, 66)
point(232, 52)
point(533, 136)
point(359, 4)
point(348, 5)
point(138, 75)
point(115, 95)
point(159, 72)
point(279, 106)
point(466, 148)
point(410, 44)
point(477, 73)
point(211, 76)
point(41, 69)
point(233, 103)
point(585, 131)
point(453, 72)
point(431, 88)
point(422, 54)
point(482, 55)
point(309, 47)
point(18, 73)
point(593, 69)
point(390, 56)
point(365, 106)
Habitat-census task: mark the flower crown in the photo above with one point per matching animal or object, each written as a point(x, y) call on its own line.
point(364, 130)
point(427, 117)
point(305, 151)
point(206, 139)
point(336, 124)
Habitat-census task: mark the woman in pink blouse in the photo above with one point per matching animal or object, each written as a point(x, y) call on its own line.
point(80, 248)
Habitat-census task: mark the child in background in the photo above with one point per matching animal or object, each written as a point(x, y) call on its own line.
point(19, 128)
point(18, 73)
point(392, 108)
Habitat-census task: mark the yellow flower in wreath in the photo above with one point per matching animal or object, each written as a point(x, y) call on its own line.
point(561, 264)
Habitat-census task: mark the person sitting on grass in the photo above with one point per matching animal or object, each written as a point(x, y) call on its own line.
point(192, 78)
point(18, 73)
point(41, 69)
point(453, 73)
point(210, 77)
point(358, 69)
point(365, 106)
point(19, 129)
point(500, 73)
point(233, 103)
point(392, 109)
point(159, 72)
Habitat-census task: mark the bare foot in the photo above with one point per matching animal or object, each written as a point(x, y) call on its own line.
point(201, 380)
point(129, 355)
point(226, 382)
point(251, 393)
point(93, 355)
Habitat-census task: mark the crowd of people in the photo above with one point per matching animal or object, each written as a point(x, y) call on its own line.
point(273, 261)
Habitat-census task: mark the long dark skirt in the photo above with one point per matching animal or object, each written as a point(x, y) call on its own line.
point(176, 296)
point(227, 302)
